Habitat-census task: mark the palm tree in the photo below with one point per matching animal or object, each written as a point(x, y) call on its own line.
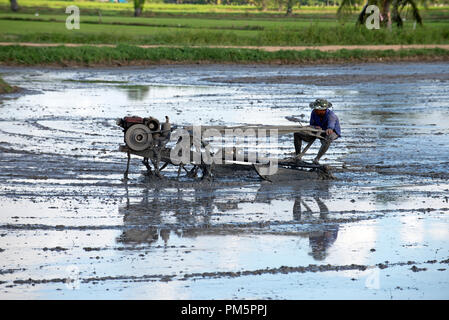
point(14, 5)
point(390, 10)
point(399, 5)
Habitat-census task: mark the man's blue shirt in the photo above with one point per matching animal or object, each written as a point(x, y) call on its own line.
point(329, 121)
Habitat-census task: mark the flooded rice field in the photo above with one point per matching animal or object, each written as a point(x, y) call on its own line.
point(71, 228)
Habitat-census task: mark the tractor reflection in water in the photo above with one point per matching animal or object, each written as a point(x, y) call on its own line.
point(162, 213)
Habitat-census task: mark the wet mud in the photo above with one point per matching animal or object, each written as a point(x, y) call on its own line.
point(72, 228)
point(337, 79)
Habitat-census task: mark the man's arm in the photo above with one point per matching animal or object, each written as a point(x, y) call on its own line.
point(331, 123)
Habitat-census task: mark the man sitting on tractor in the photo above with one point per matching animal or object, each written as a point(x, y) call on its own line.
point(321, 118)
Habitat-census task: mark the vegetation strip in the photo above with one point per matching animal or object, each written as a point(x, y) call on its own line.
point(141, 24)
point(7, 88)
point(239, 9)
point(132, 55)
point(220, 34)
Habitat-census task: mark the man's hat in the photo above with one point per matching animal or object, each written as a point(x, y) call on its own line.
point(320, 104)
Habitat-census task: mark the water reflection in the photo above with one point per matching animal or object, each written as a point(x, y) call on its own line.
point(319, 240)
point(157, 208)
point(161, 214)
point(136, 92)
point(299, 203)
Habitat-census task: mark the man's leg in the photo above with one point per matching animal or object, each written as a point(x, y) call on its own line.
point(325, 144)
point(298, 138)
point(298, 142)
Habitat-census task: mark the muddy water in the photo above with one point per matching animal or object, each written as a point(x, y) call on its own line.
point(71, 228)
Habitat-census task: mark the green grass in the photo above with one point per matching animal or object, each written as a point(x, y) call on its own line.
point(172, 24)
point(189, 10)
point(154, 8)
point(178, 22)
point(94, 81)
point(204, 32)
point(6, 88)
point(200, 25)
point(123, 54)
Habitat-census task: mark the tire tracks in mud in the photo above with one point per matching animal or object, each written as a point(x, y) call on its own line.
point(36, 124)
point(333, 80)
point(388, 171)
point(311, 268)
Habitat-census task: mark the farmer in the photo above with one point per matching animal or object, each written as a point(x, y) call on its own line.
point(321, 118)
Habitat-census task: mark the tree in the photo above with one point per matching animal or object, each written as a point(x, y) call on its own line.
point(290, 4)
point(14, 5)
point(138, 7)
point(279, 4)
point(398, 6)
point(260, 4)
point(390, 10)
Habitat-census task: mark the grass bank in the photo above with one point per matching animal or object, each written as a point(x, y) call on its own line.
point(132, 55)
point(6, 87)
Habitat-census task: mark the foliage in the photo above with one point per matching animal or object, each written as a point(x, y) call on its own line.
point(186, 31)
point(124, 54)
point(390, 10)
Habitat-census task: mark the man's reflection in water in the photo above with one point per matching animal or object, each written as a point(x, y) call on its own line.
point(299, 203)
point(321, 240)
point(165, 235)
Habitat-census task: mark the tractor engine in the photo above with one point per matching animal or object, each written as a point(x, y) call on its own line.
point(143, 133)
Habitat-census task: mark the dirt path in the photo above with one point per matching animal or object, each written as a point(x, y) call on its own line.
point(266, 48)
